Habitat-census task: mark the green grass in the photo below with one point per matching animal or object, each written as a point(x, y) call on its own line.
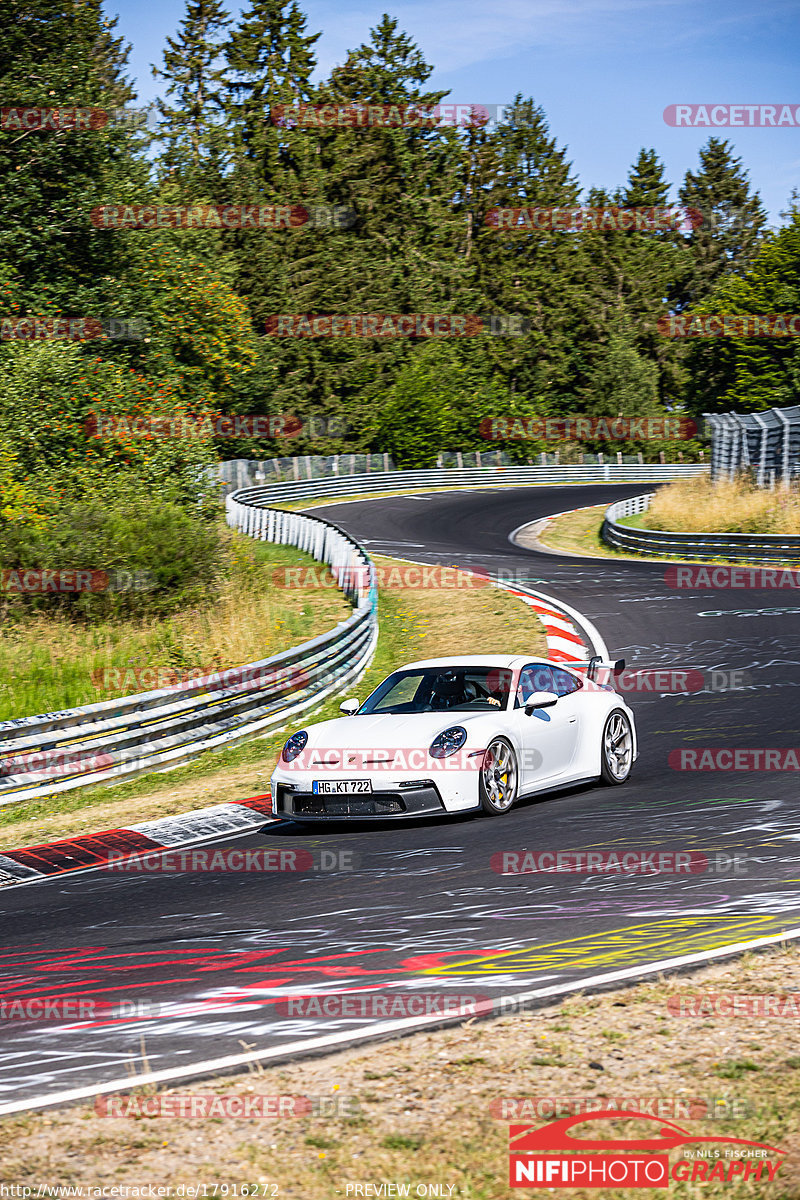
point(49, 663)
point(735, 1069)
point(413, 625)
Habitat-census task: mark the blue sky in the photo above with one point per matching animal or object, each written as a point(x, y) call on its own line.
point(603, 70)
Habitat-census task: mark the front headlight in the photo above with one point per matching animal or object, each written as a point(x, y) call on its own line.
point(448, 742)
point(295, 745)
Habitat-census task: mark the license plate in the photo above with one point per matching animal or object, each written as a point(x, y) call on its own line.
point(340, 787)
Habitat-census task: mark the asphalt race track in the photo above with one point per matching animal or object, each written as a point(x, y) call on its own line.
point(423, 912)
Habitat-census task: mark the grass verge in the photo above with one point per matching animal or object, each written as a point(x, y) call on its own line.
point(418, 1110)
point(414, 624)
point(726, 506)
point(579, 533)
point(48, 662)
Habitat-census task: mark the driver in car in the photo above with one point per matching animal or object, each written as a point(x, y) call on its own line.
point(448, 691)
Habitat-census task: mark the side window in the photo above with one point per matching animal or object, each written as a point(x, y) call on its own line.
point(564, 683)
point(536, 677)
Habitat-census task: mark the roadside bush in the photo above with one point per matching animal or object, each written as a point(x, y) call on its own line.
point(51, 395)
point(148, 556)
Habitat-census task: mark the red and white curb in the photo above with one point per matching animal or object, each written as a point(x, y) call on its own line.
point(562, 623)
point(564, 643)
point(30, 864)
point(560, 620)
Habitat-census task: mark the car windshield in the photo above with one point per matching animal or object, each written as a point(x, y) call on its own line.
point(441, 689)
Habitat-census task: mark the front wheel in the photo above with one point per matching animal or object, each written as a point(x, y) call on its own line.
point(499, 778)
point(616, 751)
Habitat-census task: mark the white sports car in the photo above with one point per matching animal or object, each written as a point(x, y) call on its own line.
point(451, 735)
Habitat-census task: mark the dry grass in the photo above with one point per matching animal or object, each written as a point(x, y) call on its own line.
point(414, 623)
point(738, 506)
point(436, 621)
point(578, 533)
point(49, 662)
point(422, 1104)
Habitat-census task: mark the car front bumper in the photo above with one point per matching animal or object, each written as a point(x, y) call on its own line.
point(392, 797)
point(305, 806)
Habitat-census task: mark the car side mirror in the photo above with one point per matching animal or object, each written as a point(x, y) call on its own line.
point(349, 707)
point(540, 700)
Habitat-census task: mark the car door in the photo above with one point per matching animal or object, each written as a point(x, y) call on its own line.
point(549, 736)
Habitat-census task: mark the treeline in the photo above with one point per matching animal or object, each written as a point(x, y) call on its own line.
point(419, 242)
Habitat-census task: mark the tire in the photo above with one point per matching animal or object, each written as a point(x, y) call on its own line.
point(498, 782)
point(616, 749)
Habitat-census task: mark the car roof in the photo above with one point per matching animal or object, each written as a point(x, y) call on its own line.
point(479, 660)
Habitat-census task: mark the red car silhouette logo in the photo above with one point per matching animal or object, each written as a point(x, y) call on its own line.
point(527, 1139)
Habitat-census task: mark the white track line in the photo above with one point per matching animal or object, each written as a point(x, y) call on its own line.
point(336, 1041)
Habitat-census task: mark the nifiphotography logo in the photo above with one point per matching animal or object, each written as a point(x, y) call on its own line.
point(641, 1162)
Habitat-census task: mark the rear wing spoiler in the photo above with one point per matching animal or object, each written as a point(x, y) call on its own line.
point(593, 665)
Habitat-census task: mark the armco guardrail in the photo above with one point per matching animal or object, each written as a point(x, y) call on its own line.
point(114, 739)
point(100, 743)
point(236, 473)
point(454, 477)
point(733, 547)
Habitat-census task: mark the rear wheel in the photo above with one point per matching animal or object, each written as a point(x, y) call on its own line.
point(499, 777)
point(616, 751)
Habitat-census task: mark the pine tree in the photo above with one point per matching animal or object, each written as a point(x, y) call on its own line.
point(63, 55)
point(538, 274)
point(632, 274)
point(270, 61)
point(732, 225)
point(751, 373)
point(192, 131)
point(402, 255)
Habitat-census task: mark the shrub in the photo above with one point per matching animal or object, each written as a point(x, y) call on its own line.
point(158, 556)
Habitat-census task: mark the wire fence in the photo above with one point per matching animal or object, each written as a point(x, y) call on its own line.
point(243, 473)
point(766, 444)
